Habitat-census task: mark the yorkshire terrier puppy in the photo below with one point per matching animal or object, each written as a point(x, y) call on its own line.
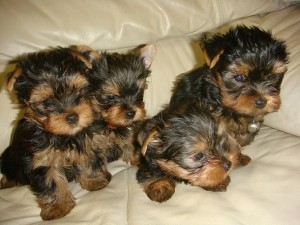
point(51, 143)
point(119, 94)
point(186, 146)
point(240, 82)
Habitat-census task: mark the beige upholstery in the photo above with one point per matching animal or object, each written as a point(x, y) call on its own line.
point(266, 192)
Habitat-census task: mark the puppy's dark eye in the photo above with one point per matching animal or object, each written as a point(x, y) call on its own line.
point(240, 78)
point(199, 156)
point(77, 100)
point(47, 102)
point(274, 77)
point(111, 97)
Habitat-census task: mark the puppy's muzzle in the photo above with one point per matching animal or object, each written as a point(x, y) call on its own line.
point(72, 118)
point(130, 114)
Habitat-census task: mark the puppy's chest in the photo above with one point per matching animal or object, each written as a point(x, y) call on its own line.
point(57, 158)
point(65, 152)
point(114, 143)
point(240, 129)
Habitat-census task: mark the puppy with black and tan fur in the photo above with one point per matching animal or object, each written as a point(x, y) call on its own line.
point(50, 145)
point(186, 145)
point(240, 82)
point(119, 94)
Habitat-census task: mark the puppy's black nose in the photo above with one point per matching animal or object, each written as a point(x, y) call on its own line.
point(72, 118)
point(260, 103)
point(130, 114)
point(227, 165)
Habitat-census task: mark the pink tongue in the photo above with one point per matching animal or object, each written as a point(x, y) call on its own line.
point(110, 126)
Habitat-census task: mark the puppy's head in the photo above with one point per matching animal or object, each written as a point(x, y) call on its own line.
point(189, 148)
point(121, 91)
point(248, 65)
point(53, 87)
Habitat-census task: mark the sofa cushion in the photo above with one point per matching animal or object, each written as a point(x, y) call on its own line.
point(264, 192)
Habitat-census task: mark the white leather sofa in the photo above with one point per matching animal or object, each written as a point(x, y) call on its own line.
point(265, 192)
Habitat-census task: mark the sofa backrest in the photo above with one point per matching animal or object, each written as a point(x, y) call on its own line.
point(108, 25)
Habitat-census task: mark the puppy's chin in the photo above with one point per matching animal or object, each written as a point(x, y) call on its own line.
point(119, 117)
point(63, 129)
point(121, 123)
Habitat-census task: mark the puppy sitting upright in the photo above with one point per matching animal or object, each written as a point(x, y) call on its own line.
point(240, 82)
point(49, 147)
point(120, 98)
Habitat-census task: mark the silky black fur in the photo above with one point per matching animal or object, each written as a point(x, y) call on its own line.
point(38, 63)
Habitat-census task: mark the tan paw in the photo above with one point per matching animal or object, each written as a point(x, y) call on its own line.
point(57, 210)
point(94, 183)
point(244, 159)
point(160, 190)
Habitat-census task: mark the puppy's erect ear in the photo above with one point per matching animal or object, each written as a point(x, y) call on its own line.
point(152, 139)
point(211, 62)
point(212, 48)
point(12, 77)
point(86, 54)
point(148, 52)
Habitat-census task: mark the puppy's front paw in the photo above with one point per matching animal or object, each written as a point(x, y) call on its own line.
point(58, 209)
point(4, 183)
point(160, 190)
point(243, 159)
point(95, 183)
